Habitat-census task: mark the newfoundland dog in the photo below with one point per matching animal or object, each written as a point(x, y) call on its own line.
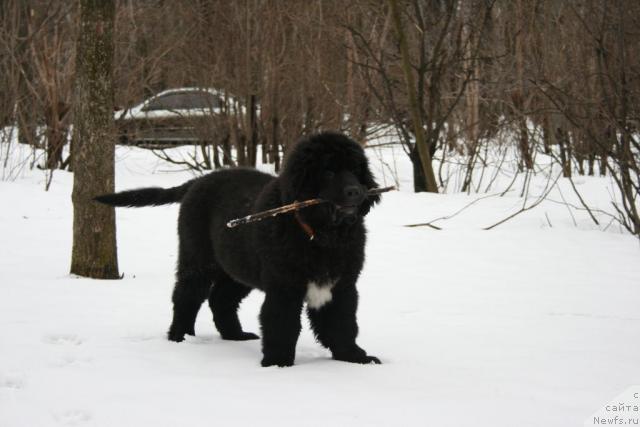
point(314, 255)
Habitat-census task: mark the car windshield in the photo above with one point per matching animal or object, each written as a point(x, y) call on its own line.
point(183, 101)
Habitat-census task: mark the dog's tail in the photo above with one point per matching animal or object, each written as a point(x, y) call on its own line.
point(153, 196)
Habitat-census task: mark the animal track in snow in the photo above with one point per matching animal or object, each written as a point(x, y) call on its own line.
point(13, 381)
point(141, 338)
point(63, 339)
point(72, 417)
point(71, 360)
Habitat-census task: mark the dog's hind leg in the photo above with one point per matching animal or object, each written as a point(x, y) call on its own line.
point(188, 295)
point(224, 300)
point(193, 276)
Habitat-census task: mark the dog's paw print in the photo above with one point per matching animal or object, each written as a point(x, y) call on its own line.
point(63, 339)
point(12, 381)
point(72, 360)
point(72, 417)
point(141, 338)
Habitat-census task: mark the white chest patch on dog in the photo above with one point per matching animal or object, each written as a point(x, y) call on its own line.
point(318, 294)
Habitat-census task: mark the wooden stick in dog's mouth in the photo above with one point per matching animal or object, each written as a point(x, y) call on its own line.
point(293, 207)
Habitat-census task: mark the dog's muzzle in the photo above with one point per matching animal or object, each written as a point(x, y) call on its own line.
point(345, 214)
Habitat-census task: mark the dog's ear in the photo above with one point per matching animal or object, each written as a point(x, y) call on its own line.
point(368, 181)
point(291, 183)
point(296, 173)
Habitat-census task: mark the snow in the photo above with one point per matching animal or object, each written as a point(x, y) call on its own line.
point(533, 323)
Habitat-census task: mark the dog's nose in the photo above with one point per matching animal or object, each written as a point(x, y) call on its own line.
point(353, 192)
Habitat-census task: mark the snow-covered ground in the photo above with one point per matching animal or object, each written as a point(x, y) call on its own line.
point(534, 323)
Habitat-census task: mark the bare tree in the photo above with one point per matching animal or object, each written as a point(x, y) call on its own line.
point(547, 77)
point(94, 232)
point(421, 145)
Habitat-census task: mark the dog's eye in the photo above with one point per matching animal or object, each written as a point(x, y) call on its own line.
point(328, 175)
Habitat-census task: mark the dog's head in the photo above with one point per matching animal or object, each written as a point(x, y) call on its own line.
point(332, 167)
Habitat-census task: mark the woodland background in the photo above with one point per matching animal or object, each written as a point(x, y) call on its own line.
point(498, 105)
point(550, 76)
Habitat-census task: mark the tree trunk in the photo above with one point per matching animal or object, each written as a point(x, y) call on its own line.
point(26, 107)
point(519, 96)
point(429, 177)
point(565, 155)
point(253, 130)
point(275, 143)
point(419, 182)
point(94, 229)
point(472, 95)
point(56, 134)
point(548, 135)
point(226, 150)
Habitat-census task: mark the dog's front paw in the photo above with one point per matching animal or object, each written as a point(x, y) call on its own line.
point(371, 359)
point(355, 355)
point(175, 337)
point(177, 333)
point(277, 361)
point(357, 358)
point(241, 336)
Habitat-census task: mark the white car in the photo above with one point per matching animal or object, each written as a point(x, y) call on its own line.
point(175, 117)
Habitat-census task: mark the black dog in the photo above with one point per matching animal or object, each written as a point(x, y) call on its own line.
point(314, 255)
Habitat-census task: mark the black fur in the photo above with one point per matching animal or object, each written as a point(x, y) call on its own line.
point(153, 196)
point(275, 254)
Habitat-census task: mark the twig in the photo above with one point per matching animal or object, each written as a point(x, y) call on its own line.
point(610, 222)
point(164, 156)
point(292, 207)
point(430, 223)
point(515, 176)
point(583, 202)
point(575, 223)
point(578, 208)
point(424, 224)
point(525, 208)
